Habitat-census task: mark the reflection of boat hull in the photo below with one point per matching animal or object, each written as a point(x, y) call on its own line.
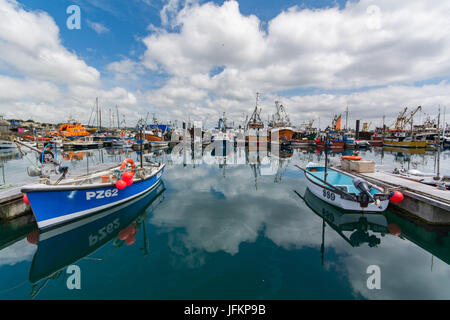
point(406, 150)
point(159, 144)
point(62, 246)
point(55, 204)
point(82, 145)
point(333, 197)
point(336, 145)
point(344, 220)
point(405, 144)
point(302, 143)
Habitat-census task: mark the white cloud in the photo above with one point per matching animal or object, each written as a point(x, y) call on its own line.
point(98, 27)
point(12, 89)
point(46, 81)
point(327, 49)
point(30, 45)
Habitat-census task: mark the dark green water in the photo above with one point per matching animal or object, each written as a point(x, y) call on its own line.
point(229, 231)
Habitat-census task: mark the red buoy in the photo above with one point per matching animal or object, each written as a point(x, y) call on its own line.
point(130, 240)
point(394, 229)
point(25, 199)
point(123, 234)
point(127, 175)
point(129, 182)
point(396, 196)
point(120, 184)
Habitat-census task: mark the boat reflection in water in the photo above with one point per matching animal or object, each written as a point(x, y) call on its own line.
point(62, 246)
point(364, 228)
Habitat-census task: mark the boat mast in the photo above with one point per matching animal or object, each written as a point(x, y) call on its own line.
point(118, 123)
point(439, 144)
point(346, 119)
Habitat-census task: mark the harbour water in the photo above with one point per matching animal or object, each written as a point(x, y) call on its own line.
point(234, 226)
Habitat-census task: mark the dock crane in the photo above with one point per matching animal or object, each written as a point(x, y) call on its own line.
point(411, 116)
point(402, 120)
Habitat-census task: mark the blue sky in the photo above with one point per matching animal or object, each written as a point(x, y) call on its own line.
point(188, 58)
point(127, 22)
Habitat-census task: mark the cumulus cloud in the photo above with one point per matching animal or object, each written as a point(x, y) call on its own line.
point(46, 81)
point(30, 45)
point(388, 47)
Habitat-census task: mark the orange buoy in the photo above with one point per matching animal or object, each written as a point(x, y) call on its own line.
point(352, 158)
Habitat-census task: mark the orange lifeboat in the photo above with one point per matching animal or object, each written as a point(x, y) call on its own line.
point(72, 130)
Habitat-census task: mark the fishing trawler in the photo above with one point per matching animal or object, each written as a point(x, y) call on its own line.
point(254, 128)
point(403, 139)
point(222, 137)
point(335, 141)
point(280, 126)
point(305, 135)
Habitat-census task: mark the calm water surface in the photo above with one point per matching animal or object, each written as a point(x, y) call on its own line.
point(223, 228)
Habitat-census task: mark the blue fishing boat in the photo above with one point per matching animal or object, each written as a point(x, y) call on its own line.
point(59, 198)
point(71, 198)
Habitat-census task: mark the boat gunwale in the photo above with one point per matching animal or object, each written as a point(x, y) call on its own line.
point(53, 188)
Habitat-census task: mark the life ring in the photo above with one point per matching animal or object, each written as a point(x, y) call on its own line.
point(352, 157)
point(126, 162)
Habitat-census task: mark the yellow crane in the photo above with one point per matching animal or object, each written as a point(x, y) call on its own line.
point(402, 120)
point(411, 116)
point(366, 126)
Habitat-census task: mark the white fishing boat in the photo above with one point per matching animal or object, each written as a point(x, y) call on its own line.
point(7, 144)
point(344, 190)
point(159, 144)
point(123, 143)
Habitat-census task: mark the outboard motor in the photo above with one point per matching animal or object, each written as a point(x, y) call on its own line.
point(364, 187)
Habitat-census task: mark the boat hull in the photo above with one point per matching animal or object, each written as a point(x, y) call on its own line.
point(59, 204)
point(405, 144)
point(284, 134)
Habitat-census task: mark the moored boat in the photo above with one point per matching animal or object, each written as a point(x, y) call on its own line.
point(280, 126)
point(64, 199)
point(7, 144)
point(344, 190)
